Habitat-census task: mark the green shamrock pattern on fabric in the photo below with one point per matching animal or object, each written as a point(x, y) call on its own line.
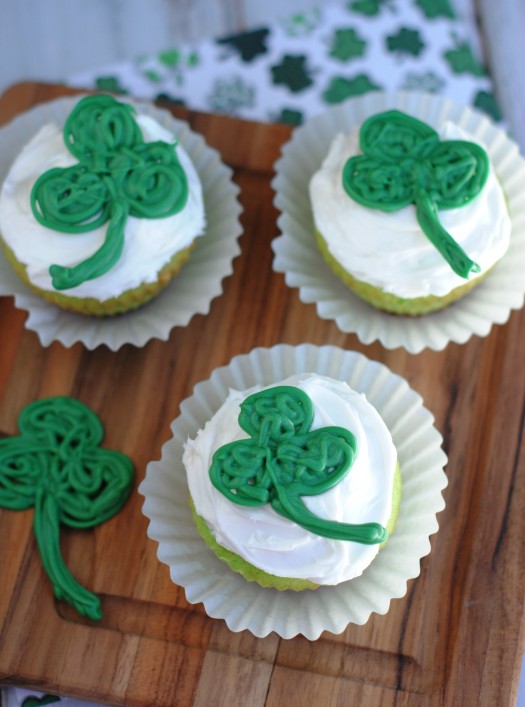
point(34, 701)
point(301, 24)
point(229, 95)
point(428, 82)
point(57, 466)
point(406, 41)
point(117, 175)
point(292, 72)
point(341, 88)
point(436, 8)
point(111, 84)
point(404, 162)
point(487, 103)
point(283, 460)
point(370, 8)
point(248, 45)
point(289, 116)
point(347, 44)
point(408, 45)
point(461, 59)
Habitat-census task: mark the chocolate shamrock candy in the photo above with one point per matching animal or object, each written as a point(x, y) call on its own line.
point(57, 466)
point(405, 162)
point(117, 175)
point(283, 460)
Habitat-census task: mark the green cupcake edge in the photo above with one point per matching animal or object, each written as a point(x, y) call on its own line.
point(265, 579)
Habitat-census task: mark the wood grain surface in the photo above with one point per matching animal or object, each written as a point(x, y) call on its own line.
point(457, 636)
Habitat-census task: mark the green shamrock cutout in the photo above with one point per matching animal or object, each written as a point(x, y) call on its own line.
point(117, 175)
point(283, 460)
point(405, 162)
point(57, 466)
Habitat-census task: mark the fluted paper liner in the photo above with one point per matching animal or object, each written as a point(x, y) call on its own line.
point(245, 605)
point(190, 292)
point(298, 257)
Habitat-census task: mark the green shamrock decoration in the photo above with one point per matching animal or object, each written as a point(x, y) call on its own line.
point(341, 88)
point(436, 8)
point(292, 72)
point(34, 701)
point(283, 460)
point(57, 466)
point(462, 59)
point(117, 175)
point(486, 101)
point(369, 8)
point(404, 162)
point(110, 83)
point(347, 44)
point(290, 116)
point(230, 95)
point(406, 41)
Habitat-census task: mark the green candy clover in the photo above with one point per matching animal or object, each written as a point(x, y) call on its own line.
point(56, 465)
point(404, 162)
point(283, 460)
point(117, 175)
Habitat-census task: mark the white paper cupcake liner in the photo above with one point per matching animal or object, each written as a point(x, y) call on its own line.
point(190, 292)
point(298, 257)
point(245, 605)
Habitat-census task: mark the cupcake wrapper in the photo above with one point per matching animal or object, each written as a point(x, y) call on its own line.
point(245, 605)
point(190, 292)
point(298, 257)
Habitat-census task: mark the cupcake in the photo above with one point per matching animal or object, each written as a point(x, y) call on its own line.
point(295, 485)
point(98, 216)
point(410, 218)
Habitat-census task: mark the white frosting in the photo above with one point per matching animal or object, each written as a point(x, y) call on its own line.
point(389, 250)
point(148, 244)
point(266, 539)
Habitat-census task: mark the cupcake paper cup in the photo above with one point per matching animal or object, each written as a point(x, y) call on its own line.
point(298, 257)
point(245, 605)
point(190, 292)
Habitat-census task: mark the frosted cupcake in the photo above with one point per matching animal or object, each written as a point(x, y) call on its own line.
point(97, 217)
point(296, 485)
point(408, 217)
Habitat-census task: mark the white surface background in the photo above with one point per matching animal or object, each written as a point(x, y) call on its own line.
point(50, 40)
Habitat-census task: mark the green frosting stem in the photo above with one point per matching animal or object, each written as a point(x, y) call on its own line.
point(284, 460)
point(290, 504)
point(47, 531)
point(56, 465)
point(427, 217)
point(103, 259)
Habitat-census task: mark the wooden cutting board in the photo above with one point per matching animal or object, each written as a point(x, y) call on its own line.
point(457, 636)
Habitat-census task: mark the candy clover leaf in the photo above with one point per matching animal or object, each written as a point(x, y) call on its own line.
point(117, 175)
point(56, 465)
point(404, 162)
point(283, 460)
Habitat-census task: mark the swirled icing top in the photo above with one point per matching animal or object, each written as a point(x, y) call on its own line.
point(263, 536)
point(389, 249)
point(147, 243)
point(57, 466)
